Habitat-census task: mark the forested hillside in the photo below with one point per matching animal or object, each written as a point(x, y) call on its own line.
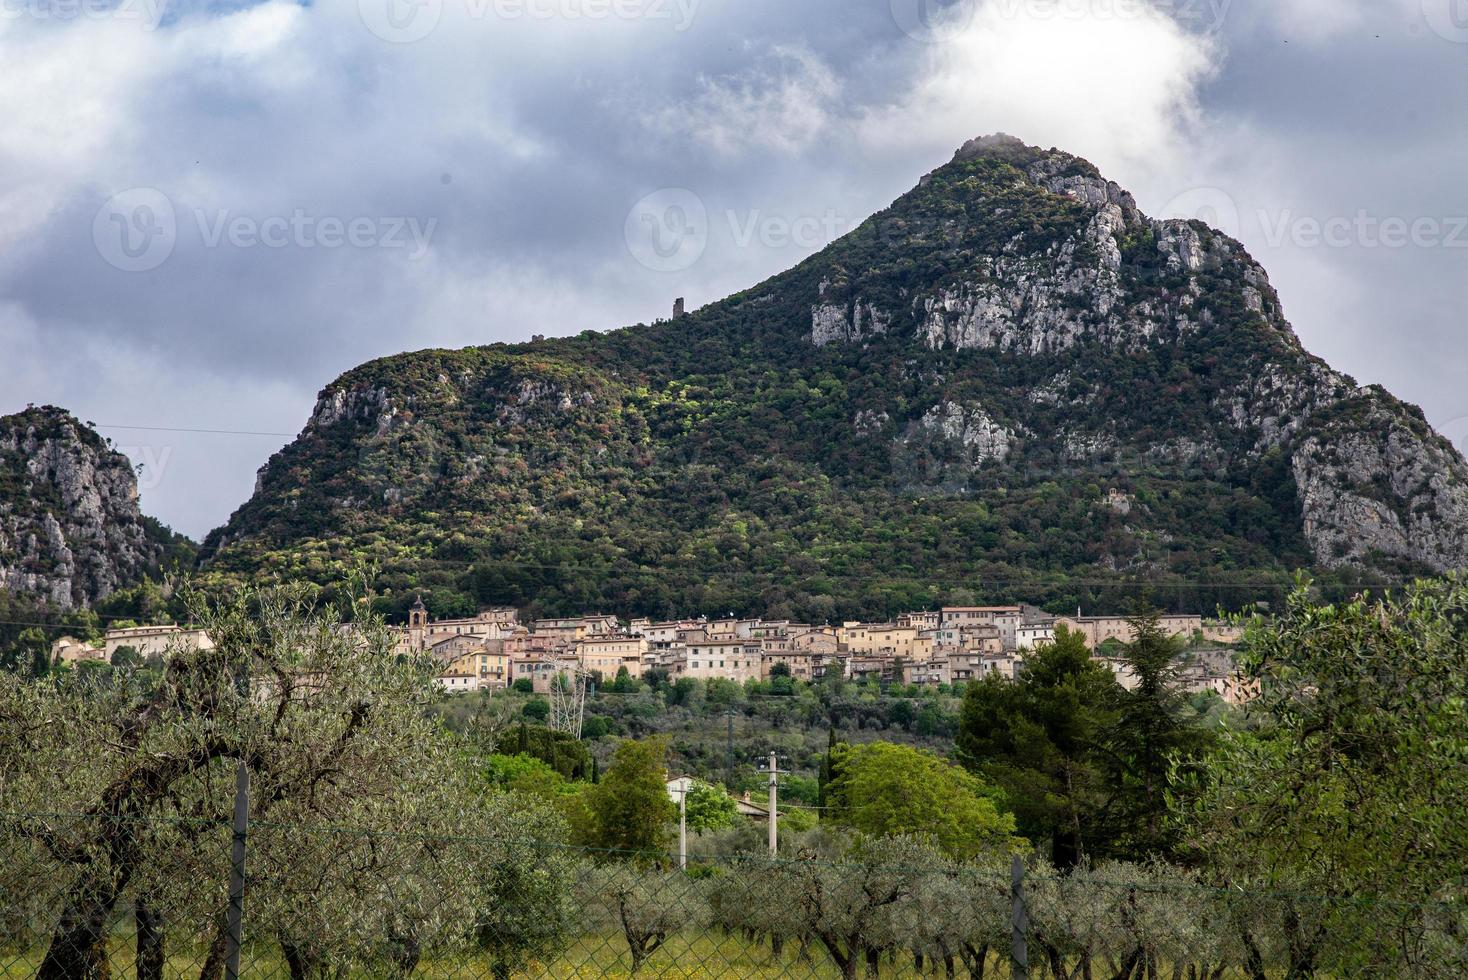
point(1010, 383)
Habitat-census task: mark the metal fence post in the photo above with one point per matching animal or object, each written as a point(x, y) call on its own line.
point(1020, 922)
point(236, 916)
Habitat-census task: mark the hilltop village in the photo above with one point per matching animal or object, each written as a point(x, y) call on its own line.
point(494, 650)
point(943, 647)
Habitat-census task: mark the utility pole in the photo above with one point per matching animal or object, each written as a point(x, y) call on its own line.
point(775, 771)
point(729, 752)
point(683, 823)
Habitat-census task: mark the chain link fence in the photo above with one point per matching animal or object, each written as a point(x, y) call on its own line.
point(103, 899)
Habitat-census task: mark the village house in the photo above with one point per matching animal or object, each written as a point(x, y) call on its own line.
point(819, 640)
point(70, 651)
point(863, 639)
point(735, 660)
point(800, 663)
point(1032, 635)
point(660, 636)
point(573, 628)
point(608, 654)
point(1096, 630)
point(975, 615)
point(926, 620)
point(421, 633)
point(968, 666)
point(160, 641)
point(539, 672)
point(490, 670)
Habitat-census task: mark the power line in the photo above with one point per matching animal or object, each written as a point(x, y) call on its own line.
point(213, 432)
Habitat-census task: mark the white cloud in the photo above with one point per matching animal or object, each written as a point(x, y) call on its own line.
point(781, 103)
point(1116, 83)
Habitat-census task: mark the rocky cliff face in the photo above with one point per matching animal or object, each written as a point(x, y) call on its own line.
point(70, 529)
point(964, 387)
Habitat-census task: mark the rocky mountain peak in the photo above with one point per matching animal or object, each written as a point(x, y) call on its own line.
point(971, 377)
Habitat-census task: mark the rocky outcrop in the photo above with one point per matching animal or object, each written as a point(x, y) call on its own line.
point(1374, 487)
point(831, 323)
point(70, 529)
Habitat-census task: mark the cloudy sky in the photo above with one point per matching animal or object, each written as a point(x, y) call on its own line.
point(208, 210)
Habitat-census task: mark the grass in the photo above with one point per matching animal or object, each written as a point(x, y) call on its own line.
point(687, 956)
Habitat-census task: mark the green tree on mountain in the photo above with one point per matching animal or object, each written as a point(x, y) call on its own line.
point(1152, 742)
point(1039, 739)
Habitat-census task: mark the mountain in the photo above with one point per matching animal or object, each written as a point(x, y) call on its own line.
point(71, 533)
point(1010, 383)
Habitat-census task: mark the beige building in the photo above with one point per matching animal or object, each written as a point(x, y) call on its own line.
point(926, 620)
point(537, 671)
point(159, 641)
point(819, 640)
point(1096, 630)
point(735, 660)
point(801, 663)
point(421, 633)
point(975, 615)
point(70, 651)
point(863, 639)
point(973, 637)
point(608, 654)
point(1033, 635)
point(573, 628)
point(490, 670)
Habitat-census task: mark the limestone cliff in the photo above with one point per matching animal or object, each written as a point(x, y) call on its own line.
point(70, 529)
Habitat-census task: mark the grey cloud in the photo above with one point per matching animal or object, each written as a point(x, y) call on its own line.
point(527, 143)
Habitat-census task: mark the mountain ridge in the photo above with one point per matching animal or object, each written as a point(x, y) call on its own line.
point(1009, 373)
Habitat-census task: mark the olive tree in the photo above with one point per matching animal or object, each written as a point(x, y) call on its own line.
point(315, 701)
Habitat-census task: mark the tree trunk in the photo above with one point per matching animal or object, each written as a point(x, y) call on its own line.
point(975, 959)
point(1253, 960)
point(78, 949)
point(303, 964)
point(213, 968)
point(1128, 966)
point(151, 955)
point(846, 962)
point(406, 952)
point(874, 962)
